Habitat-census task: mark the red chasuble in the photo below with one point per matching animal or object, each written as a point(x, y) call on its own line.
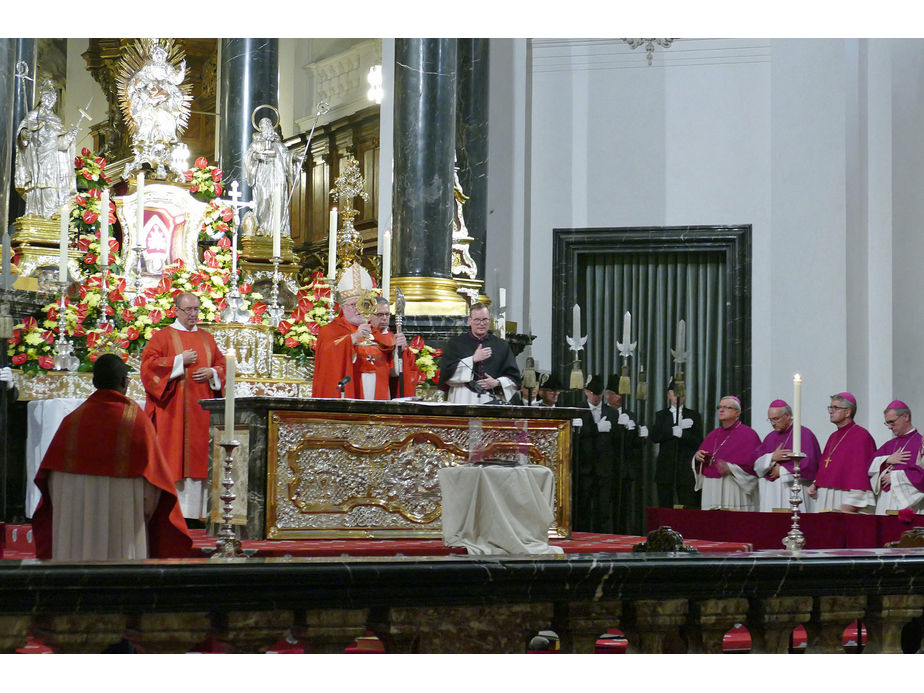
point(181, 423)
point(109, 435)
point(845, 460)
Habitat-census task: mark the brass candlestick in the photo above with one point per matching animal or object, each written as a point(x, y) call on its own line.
point(228, 545)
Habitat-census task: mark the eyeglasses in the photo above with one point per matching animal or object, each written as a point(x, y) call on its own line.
point(381, 315)
point(890, 423)
point(481, 320)
point(775, 419)
point(834, 408)
point(190, 310)
point(722, 406)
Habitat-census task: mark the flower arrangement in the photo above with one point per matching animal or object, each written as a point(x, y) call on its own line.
point(426, 360)
point(91, 174)
point(216, 222)
point(85, 217)
point(299, 332)
point(205, 179)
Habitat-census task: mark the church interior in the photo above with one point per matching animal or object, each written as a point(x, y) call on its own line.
point(708, 217)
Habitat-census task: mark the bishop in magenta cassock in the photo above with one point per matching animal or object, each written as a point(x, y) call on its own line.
point(107, 490)
point(895, 473)
point(842, 481)
point(724, 463)
point(775, 469)
point(180, 365)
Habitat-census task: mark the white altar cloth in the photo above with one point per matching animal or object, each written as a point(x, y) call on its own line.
point(498, 510)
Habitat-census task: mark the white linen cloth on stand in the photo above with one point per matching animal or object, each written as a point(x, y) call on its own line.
point(498, 510)
point(44, 417)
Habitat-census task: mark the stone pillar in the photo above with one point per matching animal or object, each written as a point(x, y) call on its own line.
point(472, 141)
point(423, 200)
point(249, 78)
point(22, 101)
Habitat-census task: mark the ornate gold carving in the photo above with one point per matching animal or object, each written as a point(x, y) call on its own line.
point(352, 475)
point(430, 296)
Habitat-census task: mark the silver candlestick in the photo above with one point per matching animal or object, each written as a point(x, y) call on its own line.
point(795, 540)
point(104, 301)
point(275, 310)
point(228, 545)
point(64, 359)
point(331, 281)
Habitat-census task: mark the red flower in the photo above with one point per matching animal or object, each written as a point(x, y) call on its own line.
point(80, 200)
point(218, 189)
point(92, 339)
point(223, 227)
point(436, 376)
point(94, 193)
point(127, 315)
point(81, 311)
point(101, 161)
point(193, 188)
point(202, 162)
point(29, 323)
point(93, 356)
point(79, 330)
point(258, 308)
point(19, 359)
point(86, 152)
point(156, 315)
point(83, 243)
point(216, 175)
point(115, 295)
point(108, 328)
point(48, 337)
point(305, 304)
point(245, 288)
point(16, 339)
point(211, 261)
point(171, 312)
point(78, 162)
point(226, 214)
point(437, 353)
point(88, 175)
point(164, 285)
point(89, 259)
point(284, 326)
point(417, 343)
point(132, 333)
point(90, 217)
point(46, 362)
point(52, 314)
point(314, 327)
point(188, 176)
point(113, 243)
point(291, 342)
point(224, 241)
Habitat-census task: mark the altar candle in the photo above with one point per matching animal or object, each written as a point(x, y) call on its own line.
point(63, 243)
point(386, 264)
point(104, 229)
point(502, 297)
point(332, 246)
point(230, 372)
point(797, 414)
point(277, 229)
point(139, 208)
point(234, 253)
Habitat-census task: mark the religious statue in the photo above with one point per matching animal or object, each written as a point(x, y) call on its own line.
point(155, 104)
point(45, 154)
point(269, 171)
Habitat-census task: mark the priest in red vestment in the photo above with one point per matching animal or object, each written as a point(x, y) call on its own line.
point(98, 451)
point(724, 463)
point(402, 373)
point(180, 365)
point(842, 482)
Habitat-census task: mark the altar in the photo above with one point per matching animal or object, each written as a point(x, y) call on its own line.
point(337, 468)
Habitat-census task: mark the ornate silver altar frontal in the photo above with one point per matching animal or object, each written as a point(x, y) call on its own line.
point(348, 476)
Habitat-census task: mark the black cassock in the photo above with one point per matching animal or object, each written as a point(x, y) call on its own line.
point(501, 363)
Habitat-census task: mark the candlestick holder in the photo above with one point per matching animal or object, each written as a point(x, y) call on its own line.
point(64, 359)
point(795, 540)
point(228, 545)
point(235, 309)
point(104, 300)
point(275, 310)
point(139, 266)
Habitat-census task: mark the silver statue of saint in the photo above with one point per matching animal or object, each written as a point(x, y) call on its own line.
point(45, 154)
point(269, 171)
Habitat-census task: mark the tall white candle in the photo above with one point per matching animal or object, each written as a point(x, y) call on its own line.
point(63, 245)
point(234, 253)
point(230, 374)
point(386, 264)
point(576, 321)
point(797, 414)
point(104, 228)
point(332, 246)
point(139, 208)
point(277, 228)
point(502, 297)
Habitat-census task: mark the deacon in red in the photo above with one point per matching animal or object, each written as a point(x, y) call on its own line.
point(107, 490)
point(180, 365)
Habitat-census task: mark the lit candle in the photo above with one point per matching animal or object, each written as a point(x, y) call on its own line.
point(139, 207)
point(63, 243)
point(797, 414)
point(332, 246)
point(230, 372)
point(277, 230)
point(104, 228)
point(386, 264)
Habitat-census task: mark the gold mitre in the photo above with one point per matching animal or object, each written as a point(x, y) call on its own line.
point(355, 281)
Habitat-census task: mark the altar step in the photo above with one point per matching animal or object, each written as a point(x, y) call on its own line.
point(17, 544)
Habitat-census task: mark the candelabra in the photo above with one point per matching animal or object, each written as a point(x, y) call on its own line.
point(795, 540)
point(64, 359)
point(235, 309)
point(228, 545)
point(275, 310)
point(139, 263)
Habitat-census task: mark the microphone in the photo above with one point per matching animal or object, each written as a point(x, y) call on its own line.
point(342, 384)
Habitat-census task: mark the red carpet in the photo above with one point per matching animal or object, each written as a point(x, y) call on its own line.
point(16, 543)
